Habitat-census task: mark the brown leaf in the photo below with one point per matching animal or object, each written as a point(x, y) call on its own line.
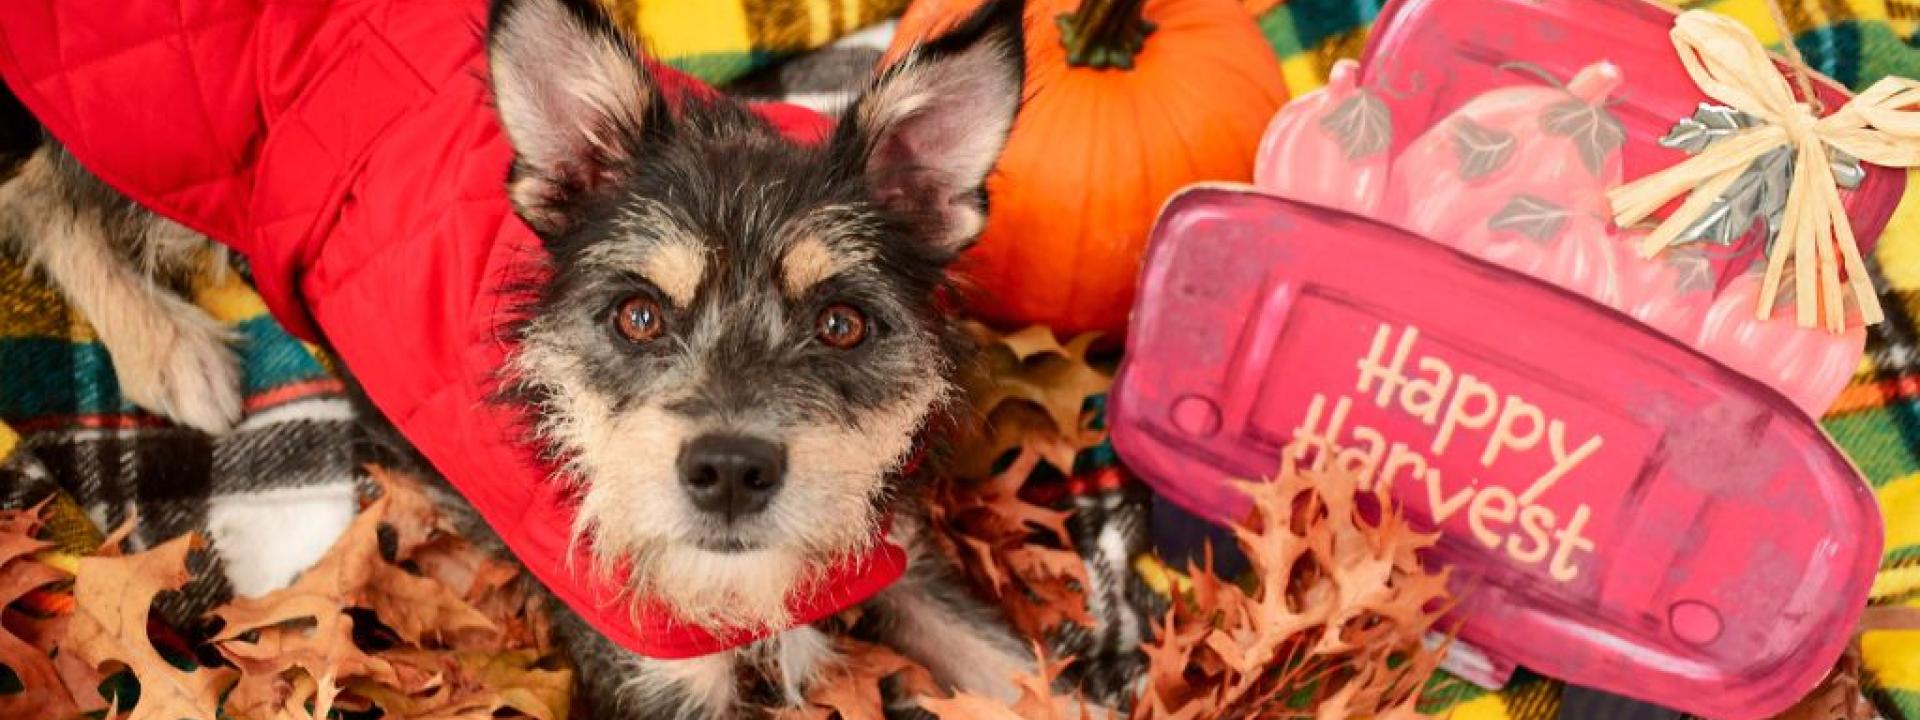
point(1030, 341)
point(353, 574)
point(44, 693)
point(851, 689)
point(493, 587)
point(1033, 391)
point(968, 707)
point(418, 608)
point(272, 697)
point(469, 634)
point(326, 653)
point(1838, 697)
point(1333, 623)
point(408, 511)
point(536, 693)
point(450, 684)
point(1020, 551)
point(1037, 699)
point(113, 598)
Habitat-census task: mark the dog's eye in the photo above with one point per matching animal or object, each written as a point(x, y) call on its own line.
point(638, 319)
point(841, 326)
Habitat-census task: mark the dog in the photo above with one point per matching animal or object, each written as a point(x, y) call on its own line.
point(740, 355)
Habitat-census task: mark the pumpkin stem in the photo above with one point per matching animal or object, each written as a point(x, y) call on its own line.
point(1103, 34)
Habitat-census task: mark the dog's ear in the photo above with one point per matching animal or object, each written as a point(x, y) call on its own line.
point(929, 128)
point(574, 98)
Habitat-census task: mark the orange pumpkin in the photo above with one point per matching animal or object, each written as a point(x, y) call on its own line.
point(1150, 96)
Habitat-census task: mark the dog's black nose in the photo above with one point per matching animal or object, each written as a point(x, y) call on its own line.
point(731, 475)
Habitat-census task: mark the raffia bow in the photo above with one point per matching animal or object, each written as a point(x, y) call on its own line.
point(1730, 66)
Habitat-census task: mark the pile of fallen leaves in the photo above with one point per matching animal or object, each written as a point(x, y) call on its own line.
point(403, 618)
point(433, 627)
point(1331, 623)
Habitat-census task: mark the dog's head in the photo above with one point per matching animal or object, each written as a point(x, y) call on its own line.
point(741, 336)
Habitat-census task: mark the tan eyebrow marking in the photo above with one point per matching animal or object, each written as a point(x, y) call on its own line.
point(676, 265)
point(807, 263)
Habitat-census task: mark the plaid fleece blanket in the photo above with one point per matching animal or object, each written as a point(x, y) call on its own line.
point(281, 486)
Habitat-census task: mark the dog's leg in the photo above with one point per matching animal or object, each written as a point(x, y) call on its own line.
point(929, 616)
point(169, 355)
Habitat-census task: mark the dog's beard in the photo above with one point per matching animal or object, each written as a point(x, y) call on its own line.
point(635, 517)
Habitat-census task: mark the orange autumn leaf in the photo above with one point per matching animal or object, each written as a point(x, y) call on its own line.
point(305, 626)
point(446, 684)
point(419, 608)
point(1032, 393)
point(1332, 627)
point(272, 697)
point(1838, 697)
point(1037, 698)
point(409, 513)
point(44, 692)
point(492, 586)
point(438, 644)
point(1018, 551)
point(113, 599)
point(850, 689)
point(327, 655)
point(353, 574)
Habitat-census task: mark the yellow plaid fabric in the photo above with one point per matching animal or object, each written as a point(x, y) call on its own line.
point(720, 40)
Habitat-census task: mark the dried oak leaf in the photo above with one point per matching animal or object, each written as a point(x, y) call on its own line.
point(851, 689)
point(44, 692)
point(1037, 699)
point(1331, 626)
point(353, 574)
point(327, 659)
point(454, 684)
point(113, 597)
point(1033, 391)
point(1019, 551)
point(305, 626)
point(494, 587)
point(412, 516)
point(272, 697)
point(1838, 697)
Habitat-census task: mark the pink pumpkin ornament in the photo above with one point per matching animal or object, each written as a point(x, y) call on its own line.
point(1329, 147)
point(1515, 161)
point(1808, 365)
point(1669, 293)
point(1576, 252)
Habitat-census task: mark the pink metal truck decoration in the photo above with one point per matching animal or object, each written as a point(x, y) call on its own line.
point(1425, 288)
point(1620, 510)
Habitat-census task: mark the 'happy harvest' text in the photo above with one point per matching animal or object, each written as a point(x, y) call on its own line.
point(1461, 408)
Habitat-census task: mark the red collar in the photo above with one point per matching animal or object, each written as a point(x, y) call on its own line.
point(655, 632)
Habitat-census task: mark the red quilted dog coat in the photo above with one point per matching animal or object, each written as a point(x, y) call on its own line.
point(350, 151)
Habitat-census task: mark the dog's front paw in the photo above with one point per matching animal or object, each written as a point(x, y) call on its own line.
point(182, 368)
